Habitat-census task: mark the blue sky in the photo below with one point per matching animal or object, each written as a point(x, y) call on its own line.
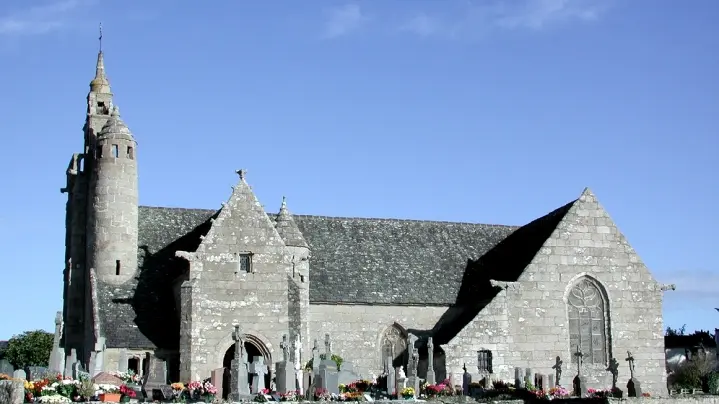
point(486, 111)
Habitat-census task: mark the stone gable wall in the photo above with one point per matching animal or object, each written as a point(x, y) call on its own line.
point(587, 242)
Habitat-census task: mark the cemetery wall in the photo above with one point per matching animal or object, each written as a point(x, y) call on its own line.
point(240, 274)
point(588, 245)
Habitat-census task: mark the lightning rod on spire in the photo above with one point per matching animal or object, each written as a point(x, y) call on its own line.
point(100, 37)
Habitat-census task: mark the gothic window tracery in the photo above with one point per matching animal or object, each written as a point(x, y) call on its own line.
point(588, 314)
point(394, 342)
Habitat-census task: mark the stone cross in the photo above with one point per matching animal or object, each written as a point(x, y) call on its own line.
point(259, 369)
point(558, 370)
point(579, 355)
point(240, 354)
point(430, 361)
point(411, 340)
point(285, 348)
point(328, 346)
point(613, 368)
point(630, 359)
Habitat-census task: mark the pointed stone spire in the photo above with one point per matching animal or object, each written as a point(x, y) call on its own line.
point(100, 84)
point(287, 228)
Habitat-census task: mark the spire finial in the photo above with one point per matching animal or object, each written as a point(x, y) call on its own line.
point(100, 37)
point(284, 203)
point(115, 111)
point(241, 172)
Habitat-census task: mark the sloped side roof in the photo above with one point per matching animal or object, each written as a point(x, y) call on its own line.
point(393, 262)
point(141, 313)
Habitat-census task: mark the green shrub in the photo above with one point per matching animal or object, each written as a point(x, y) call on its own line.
point(690, 374)
point(713, 382)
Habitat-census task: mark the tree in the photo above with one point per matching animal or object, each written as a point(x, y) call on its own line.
point(672, 331)
point(31, 348)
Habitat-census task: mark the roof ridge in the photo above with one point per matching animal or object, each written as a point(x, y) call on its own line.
point(389, 219)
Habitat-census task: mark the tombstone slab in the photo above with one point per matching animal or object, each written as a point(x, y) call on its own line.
point(107, 378)
point(216, 378)
point(634, 388)
point(155, 378)
point(19, 374)
point(6, 367)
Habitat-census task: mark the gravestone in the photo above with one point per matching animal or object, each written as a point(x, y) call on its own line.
point(12, 392)
point(216, 378)
point(430, 362)
point(57, 355)
point(19, 374)
point(69, 362)
point(240, 387)
point(297, 360)
point(557, 371)
point(518, 377)
point(391, 376)
point(98, 355)
point(550, 381)
point(6, 367)
point(155, 378)
point(634, 387)
point(400, 380)
point(466, 381)
point(328, 376)
point(528, 377)
point(412, 376)
point(77, 369)
point(613, 368)
point(285, 370)
point(107, 378)
point(122, 361)
point(258, 370)
point(347, 375)
point(578, 384)
point(36, 372)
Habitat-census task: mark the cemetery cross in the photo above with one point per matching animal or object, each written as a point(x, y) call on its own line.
point(579, 356)
point(558, 370)
point(285, 348)
point(630, 359)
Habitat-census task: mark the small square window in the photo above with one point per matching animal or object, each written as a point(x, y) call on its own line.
point(130, 153)
point(115, 151)
point(98, 152)
point(245, 263)
point(484, 360)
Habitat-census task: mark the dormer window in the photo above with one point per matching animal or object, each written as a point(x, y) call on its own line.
point(115, 151)
point(101, 108)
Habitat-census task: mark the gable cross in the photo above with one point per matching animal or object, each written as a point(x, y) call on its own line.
point(579, 355)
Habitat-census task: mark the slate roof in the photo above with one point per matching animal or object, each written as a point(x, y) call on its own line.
point(353, 261)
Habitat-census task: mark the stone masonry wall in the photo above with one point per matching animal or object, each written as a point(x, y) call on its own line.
point(223, 294)
point(357, 331)
point(587, 243)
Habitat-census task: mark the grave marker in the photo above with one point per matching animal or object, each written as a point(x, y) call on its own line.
point(239, 387)
point(634, 387)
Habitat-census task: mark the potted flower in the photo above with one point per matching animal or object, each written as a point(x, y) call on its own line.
point(126, 393)
point(109, 394)
point(408, 393)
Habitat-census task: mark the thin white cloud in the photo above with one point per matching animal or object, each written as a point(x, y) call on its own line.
point(42, 19)
point(344, 20)
point(495, 15)
point(422, 25)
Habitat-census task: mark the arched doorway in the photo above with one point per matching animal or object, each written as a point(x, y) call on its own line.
point(254, 348)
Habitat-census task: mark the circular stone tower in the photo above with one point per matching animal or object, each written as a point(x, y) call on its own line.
point(113, 219)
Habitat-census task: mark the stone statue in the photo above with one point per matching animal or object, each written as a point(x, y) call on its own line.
point(401, 374)
point(411, 340)
point(558, 369)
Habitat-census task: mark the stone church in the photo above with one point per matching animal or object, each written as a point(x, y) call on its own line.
point(173, 282)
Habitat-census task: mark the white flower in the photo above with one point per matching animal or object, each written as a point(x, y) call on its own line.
point(54, 399)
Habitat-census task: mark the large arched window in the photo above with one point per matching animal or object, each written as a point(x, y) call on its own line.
point(588, 310)
point(393, 343)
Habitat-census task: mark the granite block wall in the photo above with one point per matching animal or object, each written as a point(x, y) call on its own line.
point(587, 245)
